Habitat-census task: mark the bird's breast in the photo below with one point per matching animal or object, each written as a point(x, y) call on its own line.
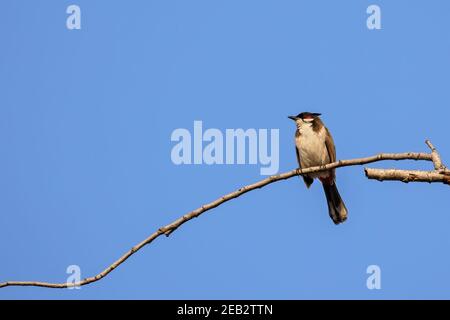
point(312, 148)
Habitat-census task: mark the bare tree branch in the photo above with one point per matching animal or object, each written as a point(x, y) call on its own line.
point(380, 174)
point(407, 175)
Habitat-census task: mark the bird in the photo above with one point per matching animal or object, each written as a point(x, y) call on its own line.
point(314, 146)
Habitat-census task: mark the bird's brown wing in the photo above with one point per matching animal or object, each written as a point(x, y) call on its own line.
point(298, 157)
point(308, 180)
point(329, 143)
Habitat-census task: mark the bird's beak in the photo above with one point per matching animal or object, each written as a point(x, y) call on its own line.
point(292, 118)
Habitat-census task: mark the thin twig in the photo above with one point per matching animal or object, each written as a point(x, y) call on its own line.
point(438, 165)
point(168, 229)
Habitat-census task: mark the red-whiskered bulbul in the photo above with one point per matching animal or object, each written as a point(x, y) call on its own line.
point(315, 147)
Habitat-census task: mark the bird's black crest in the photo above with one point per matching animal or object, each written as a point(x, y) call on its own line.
point(306, 115)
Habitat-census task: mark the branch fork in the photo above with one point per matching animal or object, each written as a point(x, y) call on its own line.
point(439, 174)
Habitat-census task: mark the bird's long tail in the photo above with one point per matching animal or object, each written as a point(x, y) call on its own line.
point(336, 207)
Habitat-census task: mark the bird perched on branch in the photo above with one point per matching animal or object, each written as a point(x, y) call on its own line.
point(315, 147)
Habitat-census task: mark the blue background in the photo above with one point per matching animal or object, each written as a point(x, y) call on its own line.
point(85, 123)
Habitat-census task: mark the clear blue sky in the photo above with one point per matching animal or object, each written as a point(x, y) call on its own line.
point(85, 123)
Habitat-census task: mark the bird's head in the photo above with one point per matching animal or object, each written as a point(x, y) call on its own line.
point(304, 118)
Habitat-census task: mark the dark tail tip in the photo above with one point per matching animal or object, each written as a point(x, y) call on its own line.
point(336, 207)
